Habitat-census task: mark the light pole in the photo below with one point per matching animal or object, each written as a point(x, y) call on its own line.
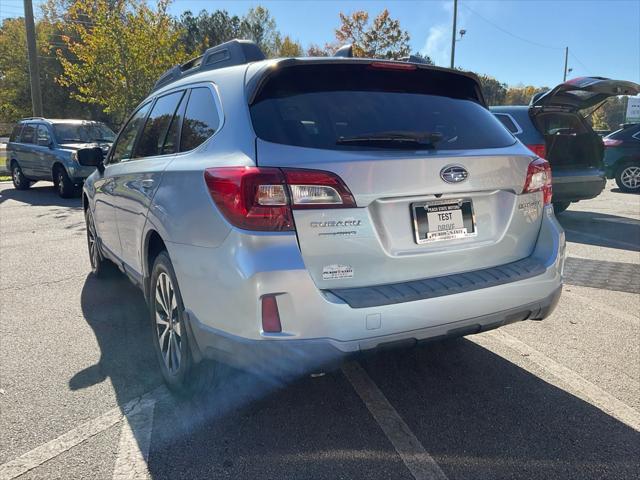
point(453, 33)
point(34, 73)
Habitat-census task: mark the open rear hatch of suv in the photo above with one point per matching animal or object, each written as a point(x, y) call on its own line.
point(569, 140)
point(394, 172)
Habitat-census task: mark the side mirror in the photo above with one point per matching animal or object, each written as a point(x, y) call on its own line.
point(91, 157)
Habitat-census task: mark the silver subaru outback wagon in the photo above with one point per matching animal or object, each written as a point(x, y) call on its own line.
point(281, 214)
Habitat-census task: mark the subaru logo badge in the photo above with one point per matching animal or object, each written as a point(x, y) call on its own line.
point(454, 174)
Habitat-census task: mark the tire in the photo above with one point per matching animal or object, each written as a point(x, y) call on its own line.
point(98, 263)
point(170, 338)
point(559, 207)
point(63, 184)
point(20, 182)
point(628, 178)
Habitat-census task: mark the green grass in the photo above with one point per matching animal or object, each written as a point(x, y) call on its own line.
point(5, 178)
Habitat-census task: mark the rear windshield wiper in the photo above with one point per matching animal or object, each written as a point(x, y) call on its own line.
point(397, 139)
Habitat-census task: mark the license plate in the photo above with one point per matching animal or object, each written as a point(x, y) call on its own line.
point(443, 220)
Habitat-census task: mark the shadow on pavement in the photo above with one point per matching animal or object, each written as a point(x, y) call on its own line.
point(617, 190)
point(39, 195)
point(601, 229)
point(477, 414)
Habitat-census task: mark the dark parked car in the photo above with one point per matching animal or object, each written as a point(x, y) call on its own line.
point(47, 149)
point(622, 157)
point(552, 127)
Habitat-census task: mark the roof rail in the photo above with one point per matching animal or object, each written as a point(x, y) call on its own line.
point(233, 52)
point(344, 51)
point(32, 118)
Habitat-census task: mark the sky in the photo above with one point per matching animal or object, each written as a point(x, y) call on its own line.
point(515, 41)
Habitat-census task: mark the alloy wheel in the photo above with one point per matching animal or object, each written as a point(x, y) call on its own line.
point(94, 255)
point(630, 177)
point(168, 325)
point(60, 183)
point(17, 175)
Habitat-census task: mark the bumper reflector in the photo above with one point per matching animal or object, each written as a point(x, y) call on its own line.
point(270, 315)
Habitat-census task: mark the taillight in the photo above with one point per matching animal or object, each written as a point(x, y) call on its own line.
point(316, 188)
point(539, 149)
point(270, 315)
point(250, 197)
point(539, 179)
point(261, 198)
point(610, 142)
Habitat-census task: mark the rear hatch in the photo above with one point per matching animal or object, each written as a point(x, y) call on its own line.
point(435, 179)
point(569, 140)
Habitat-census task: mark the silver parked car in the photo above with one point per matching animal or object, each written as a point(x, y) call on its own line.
point(280, 214)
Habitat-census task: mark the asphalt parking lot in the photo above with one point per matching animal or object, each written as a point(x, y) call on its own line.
point(80, 395)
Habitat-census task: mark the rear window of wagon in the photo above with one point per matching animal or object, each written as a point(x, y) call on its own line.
point(317, 105)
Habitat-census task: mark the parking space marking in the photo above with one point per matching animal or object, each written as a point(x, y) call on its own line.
point(50, 450)
point(599, 238)
point(625, 221)
point(421, 465)
point(603, 307)
point(552, 370)
point(135, 439)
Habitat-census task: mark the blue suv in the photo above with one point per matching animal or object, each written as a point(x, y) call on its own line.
point(47, 149)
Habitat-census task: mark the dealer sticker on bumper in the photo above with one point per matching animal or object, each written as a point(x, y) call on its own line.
point(337, 272)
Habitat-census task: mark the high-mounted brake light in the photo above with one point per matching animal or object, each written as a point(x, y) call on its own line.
point(539, 149)
point(539, 179)
point(392, 66)
point(262, 198)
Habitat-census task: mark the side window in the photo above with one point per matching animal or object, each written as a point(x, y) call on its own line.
point(43, 137)
point(172, 141)
point(124, 144)
point(15, 134)
point(28, 133)
point(155, 130)
point(200, 119)
point(508, 122)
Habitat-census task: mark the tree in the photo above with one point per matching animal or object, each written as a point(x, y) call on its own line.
point(494, 91)
point(521, 95)
point(207, 30)
point(118, 50)
point(258, 25)
point(318, 51)
point(15, 91)
point(289, 48)
point(423, 58)
point(382, 39)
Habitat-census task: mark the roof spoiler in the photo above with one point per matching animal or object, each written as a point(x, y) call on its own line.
point(233, 52)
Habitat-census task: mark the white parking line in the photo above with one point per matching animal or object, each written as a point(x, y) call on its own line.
point(599, 238)
point(551, 371)
point(421, 465)
point(74, 437)
point(626, 221)
point(603, 307)
point(135, 439)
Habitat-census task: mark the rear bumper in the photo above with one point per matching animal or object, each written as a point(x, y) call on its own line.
point(320, 328)
point(575, 185)
point(297, 357)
